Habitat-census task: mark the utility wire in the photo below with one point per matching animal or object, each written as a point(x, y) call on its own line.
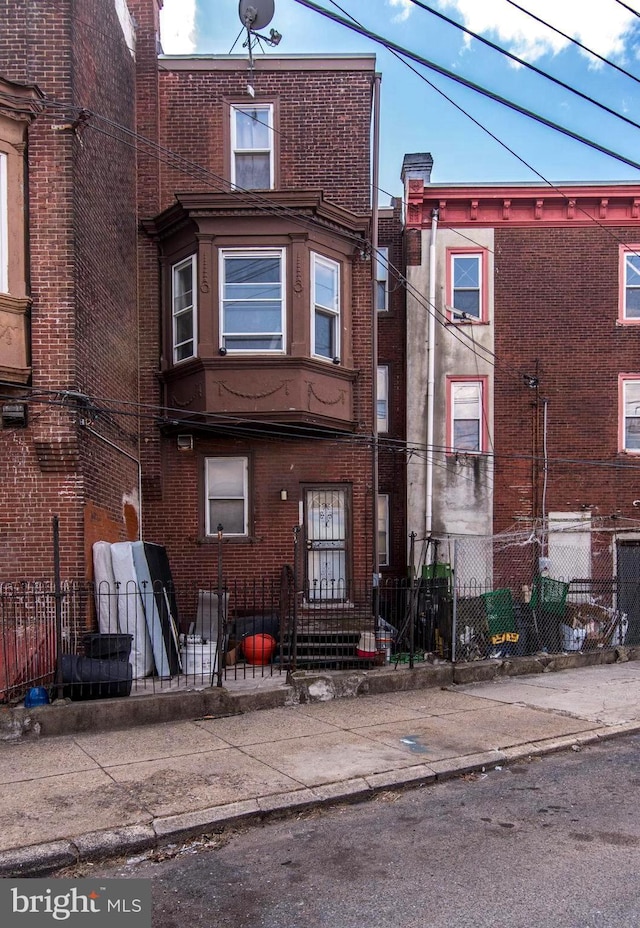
point(470, 85)
point(569, 38)
point(627, 7)
point(526, 64)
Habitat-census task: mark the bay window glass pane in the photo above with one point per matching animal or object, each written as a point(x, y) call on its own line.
point(325, 341)
point(252, 293)
point(327, 286)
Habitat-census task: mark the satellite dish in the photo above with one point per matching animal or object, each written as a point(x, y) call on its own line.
point(256, 14)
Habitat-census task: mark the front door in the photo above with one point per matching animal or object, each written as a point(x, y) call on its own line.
point(327, 533)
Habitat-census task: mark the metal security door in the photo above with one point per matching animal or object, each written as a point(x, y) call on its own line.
point(628, 577)
point(326, 540)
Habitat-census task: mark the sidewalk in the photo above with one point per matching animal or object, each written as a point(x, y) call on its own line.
point(85, 795)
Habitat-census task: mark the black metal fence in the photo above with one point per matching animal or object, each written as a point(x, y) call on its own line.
point(81, 641)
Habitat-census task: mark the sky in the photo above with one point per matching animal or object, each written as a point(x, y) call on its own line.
point(416, 116)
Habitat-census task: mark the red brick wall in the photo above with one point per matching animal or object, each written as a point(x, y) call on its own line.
point(556, 310)
point(323, 142)
point(81, 251)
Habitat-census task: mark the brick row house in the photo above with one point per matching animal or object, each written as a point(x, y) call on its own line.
point(185, 302)
point(522, 323)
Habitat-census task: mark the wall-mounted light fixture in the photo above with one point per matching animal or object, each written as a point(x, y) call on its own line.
point(284, 496)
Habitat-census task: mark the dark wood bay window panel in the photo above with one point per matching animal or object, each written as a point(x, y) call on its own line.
point(274, 334)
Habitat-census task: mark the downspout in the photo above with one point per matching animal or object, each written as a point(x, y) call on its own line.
point(374, 338)
point(431, 379)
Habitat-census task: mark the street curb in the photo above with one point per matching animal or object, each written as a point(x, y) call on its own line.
point(47, 858)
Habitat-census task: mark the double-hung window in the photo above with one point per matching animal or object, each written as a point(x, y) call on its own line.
point(383, 530)
point(252, 299)
point(227, 495)
point(325, 297)
point(252, 150)
point(630, 413)
point(466, 286)
point(4, 226)
point(382, 398)
point(382, 280)
point(183, 309)
point(466, 415)
point(630, 284)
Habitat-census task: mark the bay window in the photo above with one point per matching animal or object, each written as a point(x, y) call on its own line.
point(325, 296)
point(252, 300)
point(183, 309)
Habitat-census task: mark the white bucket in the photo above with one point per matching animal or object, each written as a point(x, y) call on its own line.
point(367, 643)
point(198, 659)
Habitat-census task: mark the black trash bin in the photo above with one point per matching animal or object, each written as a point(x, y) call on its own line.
point(112, 647)
point(90, 678)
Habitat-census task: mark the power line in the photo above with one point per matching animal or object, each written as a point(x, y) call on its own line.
point(569, 38)
point(470, 85)
point(627, 7)
point(526, 64)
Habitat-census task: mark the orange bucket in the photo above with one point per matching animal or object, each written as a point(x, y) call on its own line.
point(258, 649)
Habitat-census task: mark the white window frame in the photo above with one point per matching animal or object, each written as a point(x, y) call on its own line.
point(235, 150)
point(455, 385)
point(243, 463)
point(192, 308)
point(383, 530)
point(331, 312)
point(459, 315)
point(279, 253)
point(382, 396)
point(4, 226)
point(625, 406)
point(630, 258)
point(382, 279)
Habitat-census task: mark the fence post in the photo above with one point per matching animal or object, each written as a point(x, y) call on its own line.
point(221, 615)
point(412, 597)
point(454, 606)
point(58, 604)
point(294, 629)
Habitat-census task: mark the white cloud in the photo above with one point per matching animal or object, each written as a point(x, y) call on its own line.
point(405, 9)
point(178, 27)
point(600, 27)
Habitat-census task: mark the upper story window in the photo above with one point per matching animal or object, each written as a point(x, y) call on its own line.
point(4, 226)
point(227, 495)
point(629, 310)
point(252, 150)
point(467, 415)
point(382, 280)
point(252, 299)
point(325, 297)
point(183, 309)
point(383, 530)
point(466, 285)
point(383, 398)
point(629, 416)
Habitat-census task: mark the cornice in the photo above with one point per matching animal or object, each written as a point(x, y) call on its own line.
point(522, 205)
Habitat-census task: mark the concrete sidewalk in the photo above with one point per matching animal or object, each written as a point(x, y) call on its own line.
point(88, 795)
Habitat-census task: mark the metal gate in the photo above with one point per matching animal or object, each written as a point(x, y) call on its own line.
point(327, 534)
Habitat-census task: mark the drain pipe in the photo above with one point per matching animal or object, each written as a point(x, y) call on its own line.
point(431, 366)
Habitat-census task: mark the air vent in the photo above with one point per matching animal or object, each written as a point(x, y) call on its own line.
point(185, 442)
